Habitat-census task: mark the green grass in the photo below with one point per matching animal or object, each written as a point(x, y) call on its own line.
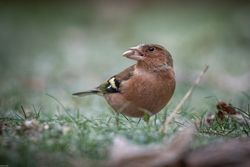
point(70, 137)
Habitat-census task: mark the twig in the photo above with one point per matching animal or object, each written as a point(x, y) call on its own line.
point(180, 104)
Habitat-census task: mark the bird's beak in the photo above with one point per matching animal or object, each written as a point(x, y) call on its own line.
point(134, 53)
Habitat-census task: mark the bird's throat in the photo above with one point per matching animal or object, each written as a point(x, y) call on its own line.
point(152, 67)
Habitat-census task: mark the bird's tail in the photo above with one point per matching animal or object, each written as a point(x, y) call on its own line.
point(90, 92)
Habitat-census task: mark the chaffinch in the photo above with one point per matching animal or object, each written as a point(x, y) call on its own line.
point(143, 88)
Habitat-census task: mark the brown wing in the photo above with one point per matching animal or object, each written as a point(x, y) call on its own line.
point(125, 74)
point(112, 85)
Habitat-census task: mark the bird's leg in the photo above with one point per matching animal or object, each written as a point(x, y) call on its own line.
point(155, 119)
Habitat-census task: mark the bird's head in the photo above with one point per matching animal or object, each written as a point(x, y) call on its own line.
point(149, 54)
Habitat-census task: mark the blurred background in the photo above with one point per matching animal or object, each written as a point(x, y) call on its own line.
point(61, 47)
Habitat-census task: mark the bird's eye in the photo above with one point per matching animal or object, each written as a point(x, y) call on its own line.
point(151, 49)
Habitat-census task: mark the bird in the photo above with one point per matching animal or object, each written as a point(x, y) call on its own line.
point(142, 89)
